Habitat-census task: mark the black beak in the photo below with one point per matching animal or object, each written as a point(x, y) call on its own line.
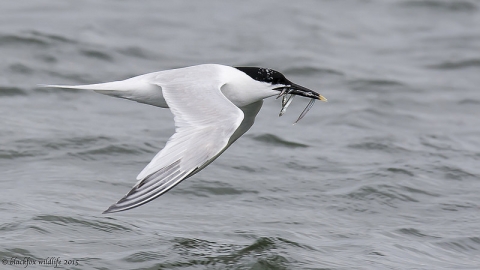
point(299, 90)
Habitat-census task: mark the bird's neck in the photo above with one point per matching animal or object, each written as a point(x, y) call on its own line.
point(242, 90)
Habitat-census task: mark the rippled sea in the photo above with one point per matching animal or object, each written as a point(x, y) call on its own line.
point(386, 175)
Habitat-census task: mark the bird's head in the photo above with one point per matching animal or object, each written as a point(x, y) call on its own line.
point(279, 82)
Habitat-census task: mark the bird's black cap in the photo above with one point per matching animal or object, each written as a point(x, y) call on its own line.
point(265, 75)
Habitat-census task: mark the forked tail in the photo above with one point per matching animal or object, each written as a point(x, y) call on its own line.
point(137, 89)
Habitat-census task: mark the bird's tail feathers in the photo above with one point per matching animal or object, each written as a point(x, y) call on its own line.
point(137, 89)
point(109, 88)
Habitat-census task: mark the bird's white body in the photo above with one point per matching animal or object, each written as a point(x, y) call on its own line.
point(213, 106)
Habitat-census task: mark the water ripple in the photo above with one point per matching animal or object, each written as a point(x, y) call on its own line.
point(108, 150)
point(463, 6)
point(376, 85)
point(18, 40)
point(455, 173)
point(277, 141)
point(82, 222)
point(21, 69)
point(379, 145)
point(143, 256)
point(384, 194)
point(136, 52)
point(461, 244)
point(205, 189)
point(97, 54)
point(263, 253)
point(32, 39)
point(14, 154)
point(412, 232)
point(11, 91)
point(469, 63)
point(309, 70)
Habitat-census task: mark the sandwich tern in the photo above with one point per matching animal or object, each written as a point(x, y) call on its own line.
point(213, 105)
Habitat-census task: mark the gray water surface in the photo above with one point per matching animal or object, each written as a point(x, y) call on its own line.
point(386, 175)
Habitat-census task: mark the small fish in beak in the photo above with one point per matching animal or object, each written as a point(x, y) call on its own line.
point(287, 94)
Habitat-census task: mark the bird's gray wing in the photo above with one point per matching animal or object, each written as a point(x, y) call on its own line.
point(204, 122)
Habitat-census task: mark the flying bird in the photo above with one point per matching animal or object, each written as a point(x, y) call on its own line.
point(213, 105)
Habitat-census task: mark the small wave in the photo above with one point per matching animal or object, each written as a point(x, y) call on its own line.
point(378, 145)
point(262, 243)
point(383, 194)
point(470, 63)
point(223, 190)
point(401, 171)
point(17, 253)
point(411, 232)
point(373, 85)
point(83, 222)
point(298, 166)
point(86, 148)
point(312, 71)
point(462, 245)
point(455, 173)
point(51, 37)
point(8, 227)
point(275, 140)
point(144, 256)
point(14, 154)
point(463, 6)
point(77, 142)
point(459, 206)
point(36, 147)
point(96, 54)
point(263, 253)
point(215, 188)
point(136, 52)
point(19, 40)
point(110, 150)
point(11, 91)
point(32, 38)
point(370, 146)
point(469, 101)
point(21, 69)
point(246, 168)
point(437, 142)
point(412, 190)
point(13, 227)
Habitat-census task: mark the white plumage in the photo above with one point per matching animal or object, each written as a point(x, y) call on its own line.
point(213, 105)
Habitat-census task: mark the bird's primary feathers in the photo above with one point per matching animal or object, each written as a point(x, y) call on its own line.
point(213, 105)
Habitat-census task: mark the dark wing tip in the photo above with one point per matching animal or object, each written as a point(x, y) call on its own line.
point(116, 207)
point(150, 188)
point(111, 209)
